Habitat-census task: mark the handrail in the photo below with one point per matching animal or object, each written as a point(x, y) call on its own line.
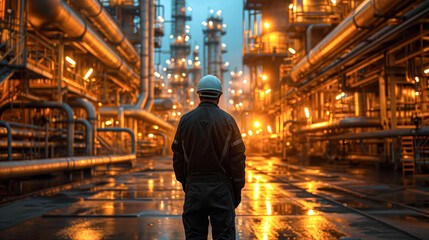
point(127, 130)
point(11, 49)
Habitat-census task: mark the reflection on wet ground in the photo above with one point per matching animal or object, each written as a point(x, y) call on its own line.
point(148, 205)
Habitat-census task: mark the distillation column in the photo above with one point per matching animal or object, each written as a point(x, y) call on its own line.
point(180, 50)
point(213, 31)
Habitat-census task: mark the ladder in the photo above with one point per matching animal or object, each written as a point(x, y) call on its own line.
point(408, 157)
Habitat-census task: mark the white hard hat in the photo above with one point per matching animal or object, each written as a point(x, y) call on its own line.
point(209, 86)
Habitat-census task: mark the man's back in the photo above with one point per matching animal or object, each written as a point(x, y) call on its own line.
point(209, 161)
point(206, 130)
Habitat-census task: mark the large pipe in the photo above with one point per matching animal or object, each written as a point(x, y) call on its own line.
point(364, 16)
point(48, 12)
point(422, 131)
point(90, 115)
point(87, 105)
point(144, 55)
point(23, 133)
point(165, 146)
point(146, 92)
point(61, 106)
point(101, 19)
point(9, 139)
point(28, 144)
point(163, 104)
point(343, 123)
point(149, 103)
point(142, 115)
point(89, 138)
point(19, 169)
point(125, 87)
point(378, 38)
point(308, 34)
point(127, 130)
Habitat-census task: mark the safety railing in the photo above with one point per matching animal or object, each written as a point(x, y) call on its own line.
point(267, 43)
point(40, 53)
point(320, 13)
point(11, 44)
point(25, 50)
point(110, 3)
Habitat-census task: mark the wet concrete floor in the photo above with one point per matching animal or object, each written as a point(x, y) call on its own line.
point(148, 205)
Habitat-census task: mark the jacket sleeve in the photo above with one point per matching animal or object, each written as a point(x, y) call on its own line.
point(237, 157)
point(178, 155)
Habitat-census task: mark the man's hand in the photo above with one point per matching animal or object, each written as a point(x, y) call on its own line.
point(237, 198)
point(237, 194)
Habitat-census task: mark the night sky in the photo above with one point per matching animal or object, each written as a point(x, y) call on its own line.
point(232, 13)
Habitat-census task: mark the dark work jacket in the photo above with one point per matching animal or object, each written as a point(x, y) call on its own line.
point(203, 136)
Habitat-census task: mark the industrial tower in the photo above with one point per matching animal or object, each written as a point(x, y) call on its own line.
point(213, 30)
point(180, 50)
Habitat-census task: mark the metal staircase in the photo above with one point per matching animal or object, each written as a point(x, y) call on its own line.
point(6, 73)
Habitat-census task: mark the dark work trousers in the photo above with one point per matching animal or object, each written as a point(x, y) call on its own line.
point(209, 196)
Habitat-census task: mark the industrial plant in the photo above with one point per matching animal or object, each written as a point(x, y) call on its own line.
point(339, 80)
point(331, 100)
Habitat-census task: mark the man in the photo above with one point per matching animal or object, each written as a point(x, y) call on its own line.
point(209, 161)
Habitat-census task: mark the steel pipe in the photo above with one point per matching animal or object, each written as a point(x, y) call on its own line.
point(89, 138)
point(144, 115)
point(44, 13)
point(124, 86)
point(20, 125)
point(141, 110)
point(343, 123)
point(341, 37)
point(61, 106)
point(9, 139)
point(165, 147)
point(308, 34)
point(87, 105)
point(423, 131)
point(90, 115)
point(101, 19)
point(162, 104)
point(151, 86)
point(140, 114)
point(25, 144)
point(144, 54)
point(19, 169)
point(127, 130)
point(378, 38)
point(24, 133)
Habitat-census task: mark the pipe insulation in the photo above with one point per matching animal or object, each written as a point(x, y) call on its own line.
point(163, 104)
point(151, 35)
point(383, 35)
point(343, 123)
point(393, 133)
point(90, 116)
point(19, 169)
point(141, 110)
point(144, 55)
point(44, 13)
point(142, 115)
point(359, 22)
point(103, 22)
